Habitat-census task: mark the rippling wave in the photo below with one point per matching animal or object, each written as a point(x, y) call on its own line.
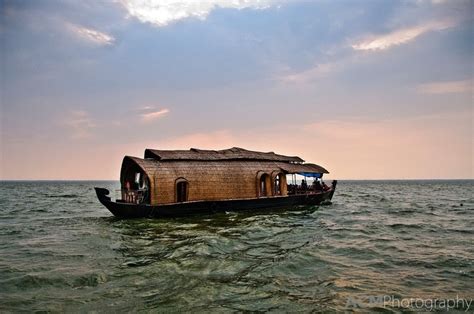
point(62, 251)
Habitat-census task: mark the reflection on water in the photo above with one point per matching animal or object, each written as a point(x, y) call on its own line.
point(62, 251)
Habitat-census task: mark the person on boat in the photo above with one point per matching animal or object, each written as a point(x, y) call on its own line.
point(290, 188)
point(325, 187)
point(304, 185)
point(317, 186)
point(128, 193)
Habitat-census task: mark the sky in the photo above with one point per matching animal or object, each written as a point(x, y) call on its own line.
point(367, 89)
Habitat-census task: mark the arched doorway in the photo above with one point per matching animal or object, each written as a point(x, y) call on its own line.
point(263, 184)
point(276, 186)
point(182, 190)
point(279, 183)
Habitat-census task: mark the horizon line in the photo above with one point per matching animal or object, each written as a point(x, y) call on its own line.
point(388, 179)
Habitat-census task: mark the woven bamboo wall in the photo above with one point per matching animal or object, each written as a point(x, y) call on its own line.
point(211, 180)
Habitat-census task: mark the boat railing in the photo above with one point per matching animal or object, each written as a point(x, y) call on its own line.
point(294, 189)
point(131, 196)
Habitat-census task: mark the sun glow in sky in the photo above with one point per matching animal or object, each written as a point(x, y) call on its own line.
point(367, 89)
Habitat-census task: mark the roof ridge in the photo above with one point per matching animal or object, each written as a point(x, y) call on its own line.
point(223, 154)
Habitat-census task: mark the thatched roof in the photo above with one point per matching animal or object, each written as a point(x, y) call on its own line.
point(234, 153)
point(149, 166)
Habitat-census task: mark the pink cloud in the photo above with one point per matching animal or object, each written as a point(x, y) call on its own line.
point(408, 148)
point(401, 36)
point(153, 115)
point(446, 87)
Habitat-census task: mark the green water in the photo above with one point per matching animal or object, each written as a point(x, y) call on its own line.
point(62, 251)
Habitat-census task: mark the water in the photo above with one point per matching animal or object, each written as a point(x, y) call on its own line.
point(62, 251)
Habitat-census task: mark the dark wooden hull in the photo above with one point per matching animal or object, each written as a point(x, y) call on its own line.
point(126, 210)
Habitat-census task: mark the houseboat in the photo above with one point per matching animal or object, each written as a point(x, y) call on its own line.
point(168, 183)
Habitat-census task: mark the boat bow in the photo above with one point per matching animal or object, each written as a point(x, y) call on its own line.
point(102, 195)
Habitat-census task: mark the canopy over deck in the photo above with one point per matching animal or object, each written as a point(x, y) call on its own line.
point(304, 169)
point(311, 174)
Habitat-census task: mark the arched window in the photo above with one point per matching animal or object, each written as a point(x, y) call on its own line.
point(263, 185)
point(182, 190)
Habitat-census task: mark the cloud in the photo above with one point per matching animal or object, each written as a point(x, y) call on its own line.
point(80, 124)
point(322, 70)
point(145, 108)
point(92, 35)
point(446, 87)
point(318, 71)
point(401, 36)
point(153, 115)
point(164, 12)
